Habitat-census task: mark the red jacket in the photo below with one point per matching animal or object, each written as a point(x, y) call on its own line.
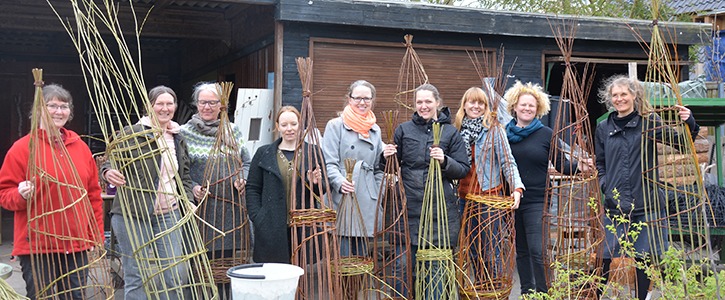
point(59, 217)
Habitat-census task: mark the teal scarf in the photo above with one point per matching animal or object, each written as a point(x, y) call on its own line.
point(516, 134)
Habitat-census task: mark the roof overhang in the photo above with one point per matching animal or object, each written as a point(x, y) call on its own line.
point(444, 18)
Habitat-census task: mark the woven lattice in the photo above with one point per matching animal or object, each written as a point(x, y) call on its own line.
point(392, 238)
point(312, 220)
point(673, 185)
point(60, 199)
point(572, 229)
point(434, 265)
point(487, 255)
point(113, 77)
point(225, 226)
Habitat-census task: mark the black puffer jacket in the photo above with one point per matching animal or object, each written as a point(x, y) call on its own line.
point(414, 138)
point(619, 160)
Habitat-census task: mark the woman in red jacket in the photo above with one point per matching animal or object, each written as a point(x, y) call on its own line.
point(56, 222)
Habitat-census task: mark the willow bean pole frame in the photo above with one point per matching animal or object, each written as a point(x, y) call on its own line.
point(223, 202)
point(112, 72)
point(676, 173)
point(410, 76)
point(434, 262)
point(312, 221)
point(355, 269)
point(51, 171)
point(572, 229)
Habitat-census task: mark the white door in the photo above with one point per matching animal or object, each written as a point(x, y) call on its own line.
point(254, 115)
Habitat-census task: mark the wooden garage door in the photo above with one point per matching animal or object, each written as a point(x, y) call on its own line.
point(337, 63)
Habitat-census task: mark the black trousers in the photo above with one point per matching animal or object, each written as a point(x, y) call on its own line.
point(39, 270)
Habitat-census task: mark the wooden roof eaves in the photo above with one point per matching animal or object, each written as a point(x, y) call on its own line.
point(442, 18)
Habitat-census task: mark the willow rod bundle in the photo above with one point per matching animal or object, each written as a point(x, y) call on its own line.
point(410, 76)
point(392, 238)
point(312, 221)
point(7, 292)
point(434, 268)
point(675, 199)
point(572, 230)
point(63, 249)
point(172, 261)
point(226, 230)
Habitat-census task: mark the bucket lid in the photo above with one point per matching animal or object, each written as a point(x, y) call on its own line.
point(265, 271)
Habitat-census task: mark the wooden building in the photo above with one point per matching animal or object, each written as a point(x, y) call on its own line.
point(254, 43)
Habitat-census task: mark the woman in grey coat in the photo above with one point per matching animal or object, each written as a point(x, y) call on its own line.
point(355, 135)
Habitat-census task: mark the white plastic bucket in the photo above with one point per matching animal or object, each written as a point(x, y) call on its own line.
point(269, 281)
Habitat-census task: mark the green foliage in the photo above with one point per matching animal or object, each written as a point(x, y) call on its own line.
point(630, 9)
point(680, 280)
point(568, 284)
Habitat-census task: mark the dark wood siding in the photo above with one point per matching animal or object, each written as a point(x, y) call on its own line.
point(337, 63)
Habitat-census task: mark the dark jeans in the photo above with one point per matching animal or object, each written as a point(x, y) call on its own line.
point(529, 248)
point(42, 269)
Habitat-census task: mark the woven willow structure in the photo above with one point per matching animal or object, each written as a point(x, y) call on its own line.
point(434, 266)
point(59, 201)
point(572, 229)
point(392, 238)
point(410, 76)
point(486, 253)
point(225, 226)
point(680, 217)
point(355, 270)
point(113, 76)
point(312, 220)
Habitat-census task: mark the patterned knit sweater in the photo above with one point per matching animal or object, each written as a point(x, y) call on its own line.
point(224, 208)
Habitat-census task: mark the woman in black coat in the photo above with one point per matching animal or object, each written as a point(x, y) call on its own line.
point(268, 187)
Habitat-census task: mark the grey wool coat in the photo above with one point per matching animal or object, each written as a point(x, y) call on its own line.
point(340, 143)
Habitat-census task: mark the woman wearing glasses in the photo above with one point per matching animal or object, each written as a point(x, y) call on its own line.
point(354, 134)
point(221, 207)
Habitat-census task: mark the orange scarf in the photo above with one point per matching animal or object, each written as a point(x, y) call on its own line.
point(358, 123)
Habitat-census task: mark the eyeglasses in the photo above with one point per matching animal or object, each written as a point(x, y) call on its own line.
point(361, 99)
point(211, 103)
point(55, 107)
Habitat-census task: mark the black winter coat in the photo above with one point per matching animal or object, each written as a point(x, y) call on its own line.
point(267, 205)
point(414, 139)
point(619, 161)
